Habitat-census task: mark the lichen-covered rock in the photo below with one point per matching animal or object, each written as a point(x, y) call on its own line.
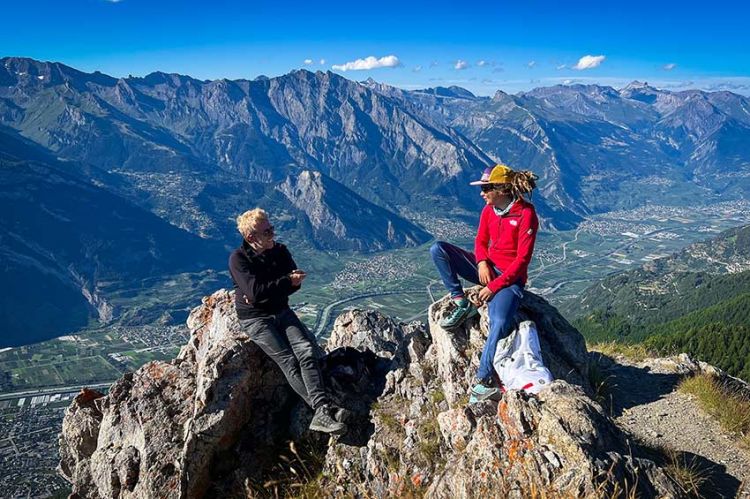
point(427, 441)
point(213, 421)
point(161, 428)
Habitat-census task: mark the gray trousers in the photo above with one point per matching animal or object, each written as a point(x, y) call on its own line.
point(292, 346)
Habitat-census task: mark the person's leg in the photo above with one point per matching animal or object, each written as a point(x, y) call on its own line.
point(303, 343)
point(264, 333)
point(502, 311)
point(453, 262)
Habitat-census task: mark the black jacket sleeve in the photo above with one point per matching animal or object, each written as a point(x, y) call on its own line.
point(292, 266)
point(251, 286)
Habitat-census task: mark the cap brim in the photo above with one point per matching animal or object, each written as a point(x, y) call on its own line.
point(479, 182)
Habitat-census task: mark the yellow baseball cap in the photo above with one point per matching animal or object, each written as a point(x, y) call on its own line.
point(498, 174)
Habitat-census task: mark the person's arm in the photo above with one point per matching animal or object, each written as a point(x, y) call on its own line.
point(482, 241)
point(527, 229)
point(253, 288)
point(291, 265)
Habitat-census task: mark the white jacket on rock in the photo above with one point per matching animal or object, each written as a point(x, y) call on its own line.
point(518, 360)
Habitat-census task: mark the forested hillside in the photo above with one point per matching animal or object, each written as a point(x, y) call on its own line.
point(696, 301)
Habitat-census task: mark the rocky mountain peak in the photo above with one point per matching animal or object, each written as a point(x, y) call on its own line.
point(335, 214)
point(213, 421)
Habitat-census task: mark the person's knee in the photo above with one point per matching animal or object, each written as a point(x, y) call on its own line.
point(500, 326)
point(287, 361)
point(306, 357)
point(437, 250)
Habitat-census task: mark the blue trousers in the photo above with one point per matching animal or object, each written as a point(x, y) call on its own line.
point(453, 262)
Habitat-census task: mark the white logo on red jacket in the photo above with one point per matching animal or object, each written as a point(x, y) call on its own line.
point(514, 222)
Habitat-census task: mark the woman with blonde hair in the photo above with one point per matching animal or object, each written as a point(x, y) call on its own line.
point(264, 275)
point(502, 251)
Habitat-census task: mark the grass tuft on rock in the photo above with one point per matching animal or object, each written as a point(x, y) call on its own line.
point(602, 382)
point(635, 352)
point(730, 408)
point(687, 473)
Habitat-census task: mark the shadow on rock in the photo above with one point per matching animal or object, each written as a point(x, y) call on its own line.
point(356, 379)
point(625, 386)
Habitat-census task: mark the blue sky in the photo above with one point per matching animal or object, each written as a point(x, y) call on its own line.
point(482, 46)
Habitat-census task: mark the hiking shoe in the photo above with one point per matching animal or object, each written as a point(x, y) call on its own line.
point(323, 421)
point(342, 415)
point(464, 310)
point(486, 389)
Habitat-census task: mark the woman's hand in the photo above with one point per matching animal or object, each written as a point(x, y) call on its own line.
point(485, 294)
point(486, 274)
point(297, 276)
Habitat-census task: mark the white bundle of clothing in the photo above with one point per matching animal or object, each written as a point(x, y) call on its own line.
point(518, 360)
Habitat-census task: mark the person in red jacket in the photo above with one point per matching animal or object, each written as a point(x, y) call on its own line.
point(502, 252)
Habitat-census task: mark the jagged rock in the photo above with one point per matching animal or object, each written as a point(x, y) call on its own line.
point(398, 342)
point(456, 354)
point(212, 421)
point(161, 428)
point(78, 438)
point(427, 441)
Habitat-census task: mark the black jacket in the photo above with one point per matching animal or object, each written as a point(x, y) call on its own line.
point(261, 278)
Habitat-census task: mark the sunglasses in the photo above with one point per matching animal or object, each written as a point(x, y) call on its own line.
point(495, 187)
point(267, 232)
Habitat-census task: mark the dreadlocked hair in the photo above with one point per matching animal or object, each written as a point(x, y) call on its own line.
point(522, 182)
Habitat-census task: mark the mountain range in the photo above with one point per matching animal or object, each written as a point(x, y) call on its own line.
point(339, 164)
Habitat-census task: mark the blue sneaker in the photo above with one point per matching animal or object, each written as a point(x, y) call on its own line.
point(486, 389)
point(464, 310)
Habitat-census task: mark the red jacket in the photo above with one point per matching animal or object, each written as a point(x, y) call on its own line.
point(507, 242)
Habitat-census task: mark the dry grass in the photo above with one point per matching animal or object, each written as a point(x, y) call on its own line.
point(686, 473)
point(602, 382)
point(730, 408)
point(296, 475)
point(635, 352)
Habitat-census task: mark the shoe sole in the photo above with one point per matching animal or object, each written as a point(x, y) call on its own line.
point(495, 397)
point(328, 430)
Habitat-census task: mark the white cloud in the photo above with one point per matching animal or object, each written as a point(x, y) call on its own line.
point(562, 66)
point(389, 61)
point(113, 1)
point(433, 64)
point(589, 62)
point(308, 62)
point(531, 64)
point(461, 64)
point(482, 63)
point(669, 67)
point(417, 69)
point(322, 62)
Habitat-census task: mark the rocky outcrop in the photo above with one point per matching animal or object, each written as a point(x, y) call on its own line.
point(161, 429)
point(214, 420)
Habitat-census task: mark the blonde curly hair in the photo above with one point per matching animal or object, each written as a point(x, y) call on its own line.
point(521, 183)
point(248, 221)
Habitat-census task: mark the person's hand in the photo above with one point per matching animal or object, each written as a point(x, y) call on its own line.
point(486, 273)
point(297, 276)
point(485, 294)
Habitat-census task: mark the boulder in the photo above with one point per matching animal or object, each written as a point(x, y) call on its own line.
point(218, 419)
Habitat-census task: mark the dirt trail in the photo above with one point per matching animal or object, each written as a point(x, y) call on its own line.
point(645, 403)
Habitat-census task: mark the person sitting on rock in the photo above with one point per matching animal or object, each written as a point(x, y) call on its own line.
point(264, 276)
point(502, 252)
